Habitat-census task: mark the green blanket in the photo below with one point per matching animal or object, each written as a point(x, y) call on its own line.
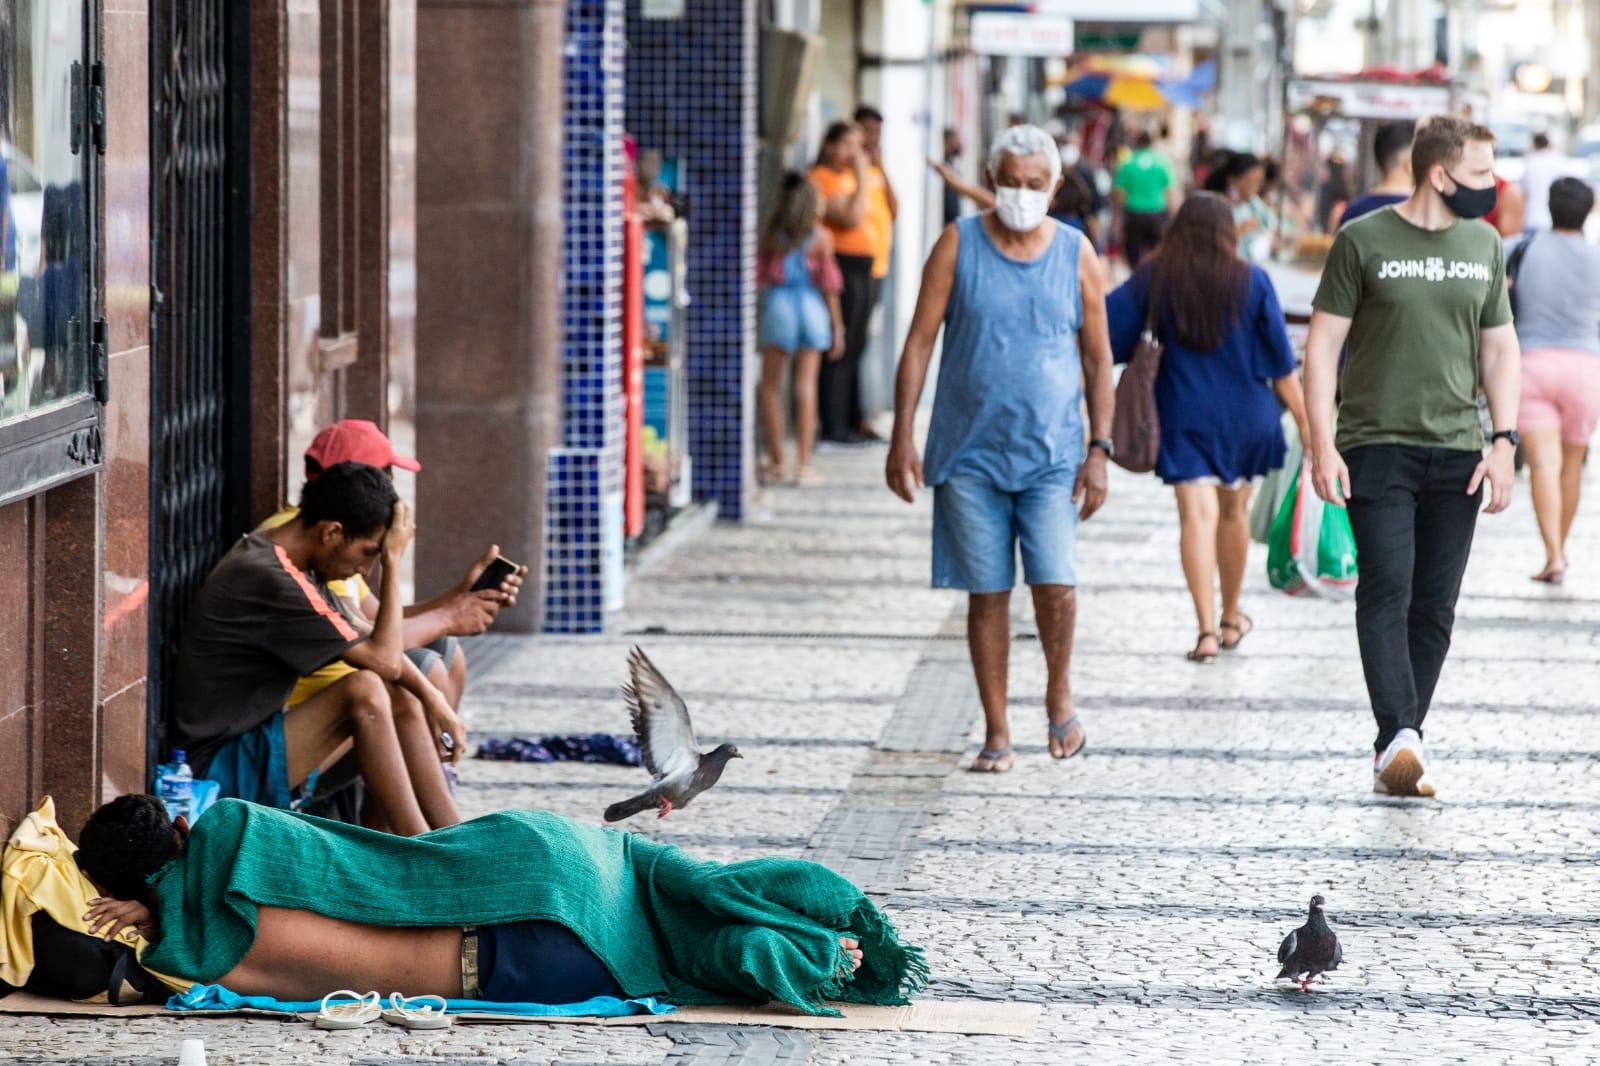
point(666, 925)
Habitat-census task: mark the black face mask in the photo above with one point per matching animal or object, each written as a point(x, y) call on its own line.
point(1469, 203)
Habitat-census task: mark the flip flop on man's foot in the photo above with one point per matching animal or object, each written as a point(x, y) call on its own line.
point(1244, 627)
point(1059, 735)
point(992, 761)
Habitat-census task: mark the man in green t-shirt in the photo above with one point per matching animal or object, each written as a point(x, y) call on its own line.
point(1419, 292)
point(1142, 193)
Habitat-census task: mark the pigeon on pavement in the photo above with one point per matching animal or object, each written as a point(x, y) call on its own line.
point(666, 744)
point(1310, 950)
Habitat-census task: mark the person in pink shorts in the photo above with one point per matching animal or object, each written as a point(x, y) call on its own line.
point(1557, 297)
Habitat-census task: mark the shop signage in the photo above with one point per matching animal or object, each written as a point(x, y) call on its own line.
point(661, 9)
point(999, 33)
point(1373, 100)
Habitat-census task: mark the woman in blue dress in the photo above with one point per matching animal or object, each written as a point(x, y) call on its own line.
point(800, 319)
point(1226, 366)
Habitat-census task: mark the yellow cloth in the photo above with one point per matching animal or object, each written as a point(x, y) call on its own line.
point(874, 235)
point(353, 592)
point(38, 873)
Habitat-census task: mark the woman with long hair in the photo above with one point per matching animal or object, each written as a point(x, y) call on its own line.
point(800, 319)
point(1226, 366)
point(846, 181)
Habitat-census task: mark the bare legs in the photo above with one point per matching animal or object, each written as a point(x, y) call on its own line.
point(769, 397)
point(393, 744)
point(1555, 472)
point(989, 643)
point(1214, 539)
point(1056, 609)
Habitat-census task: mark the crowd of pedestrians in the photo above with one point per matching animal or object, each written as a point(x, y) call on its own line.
point(1415, 392)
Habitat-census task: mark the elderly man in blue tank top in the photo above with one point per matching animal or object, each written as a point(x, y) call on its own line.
point(1022, 303)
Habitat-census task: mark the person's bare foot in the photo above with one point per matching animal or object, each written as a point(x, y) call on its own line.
point(853, 947)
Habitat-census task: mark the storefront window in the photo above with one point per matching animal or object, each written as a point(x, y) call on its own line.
point(44, 246)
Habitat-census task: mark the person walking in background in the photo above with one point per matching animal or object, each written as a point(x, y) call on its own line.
point(1509, 217)
point(1022, 305)
point(1391, 150)
point(1142, 194)
point(1541, 167)
point(1240, 179)
point(801, 319)
point(1419, 292)
point(1226, 365)
point(951, 164)
point(1557, 296)
point(883, 207)
point(843, 179)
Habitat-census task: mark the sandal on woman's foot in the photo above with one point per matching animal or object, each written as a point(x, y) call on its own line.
point(999, 761)
point(1204, 658)
point(1060, 733)
point(345, 1009)
point(771, 473)
point(416, 1012)
point(806, 477)
point(1244, 627)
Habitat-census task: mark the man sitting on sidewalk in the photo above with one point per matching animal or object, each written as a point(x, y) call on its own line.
point(431, 629)
point(264, 618)
point(274, 903)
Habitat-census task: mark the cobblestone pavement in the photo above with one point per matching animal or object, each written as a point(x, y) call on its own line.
point(1139, 892)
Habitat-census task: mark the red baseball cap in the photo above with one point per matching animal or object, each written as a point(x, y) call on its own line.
point(355, 440)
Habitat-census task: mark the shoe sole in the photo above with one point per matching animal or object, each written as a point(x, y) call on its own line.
point(1401, 776)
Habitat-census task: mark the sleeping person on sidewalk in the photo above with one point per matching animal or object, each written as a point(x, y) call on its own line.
point(265, 617)
point(513, 907)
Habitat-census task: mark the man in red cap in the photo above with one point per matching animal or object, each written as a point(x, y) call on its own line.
point(432, 628)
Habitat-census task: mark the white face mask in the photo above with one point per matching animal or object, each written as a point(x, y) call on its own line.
point(1021, 209)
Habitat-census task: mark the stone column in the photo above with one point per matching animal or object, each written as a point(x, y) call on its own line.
point(488, 346)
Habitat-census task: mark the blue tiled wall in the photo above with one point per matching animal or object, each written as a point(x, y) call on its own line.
point(586, 472)
point(692, 94)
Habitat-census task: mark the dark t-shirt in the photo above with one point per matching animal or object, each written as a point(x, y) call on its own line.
point(259, 623)
point(1365, 205)
point(1418, 301)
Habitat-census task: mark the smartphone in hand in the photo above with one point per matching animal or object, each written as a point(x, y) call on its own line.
point(495, 573)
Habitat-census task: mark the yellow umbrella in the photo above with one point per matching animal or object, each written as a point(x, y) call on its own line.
point(1134, 94)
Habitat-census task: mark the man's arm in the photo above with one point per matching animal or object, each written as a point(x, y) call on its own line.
point(1323, 344)
point(888, 192)
point(383, 652)
point(976, 193)
point(903, 470)
point(1094, 349)
point(1500, 359)
point(442, 719)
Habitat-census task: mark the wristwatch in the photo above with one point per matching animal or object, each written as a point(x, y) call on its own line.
point(1105, 446)
point(1509, 434)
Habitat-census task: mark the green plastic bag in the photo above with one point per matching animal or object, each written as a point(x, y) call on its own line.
point(1311, 549)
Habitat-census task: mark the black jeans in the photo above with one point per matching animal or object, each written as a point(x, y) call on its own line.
point(1413, 523)
point(838, 386)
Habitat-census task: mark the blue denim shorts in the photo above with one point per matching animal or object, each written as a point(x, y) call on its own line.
point(796, 317)
point(978, 528)
point(254, 766)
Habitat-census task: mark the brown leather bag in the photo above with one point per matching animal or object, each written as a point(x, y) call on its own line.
point(1136, 424)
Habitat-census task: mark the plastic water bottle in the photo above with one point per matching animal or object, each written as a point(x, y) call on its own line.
point(175, 786)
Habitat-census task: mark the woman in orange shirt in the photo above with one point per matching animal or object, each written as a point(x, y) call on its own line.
point(844, 181)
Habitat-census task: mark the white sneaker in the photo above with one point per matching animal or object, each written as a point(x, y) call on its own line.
point(1400, 771)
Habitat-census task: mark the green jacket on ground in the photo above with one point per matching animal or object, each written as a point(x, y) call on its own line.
point(666, 925)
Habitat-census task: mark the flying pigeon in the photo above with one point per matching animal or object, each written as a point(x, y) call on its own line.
point(1310, 950)
point(666, 745)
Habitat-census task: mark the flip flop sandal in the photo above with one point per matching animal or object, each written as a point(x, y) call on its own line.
point(1243, 631)
point(417, 1012)
point(1202, 657)
point(995, 758)
point(1062, 731)
point(356, 1010)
